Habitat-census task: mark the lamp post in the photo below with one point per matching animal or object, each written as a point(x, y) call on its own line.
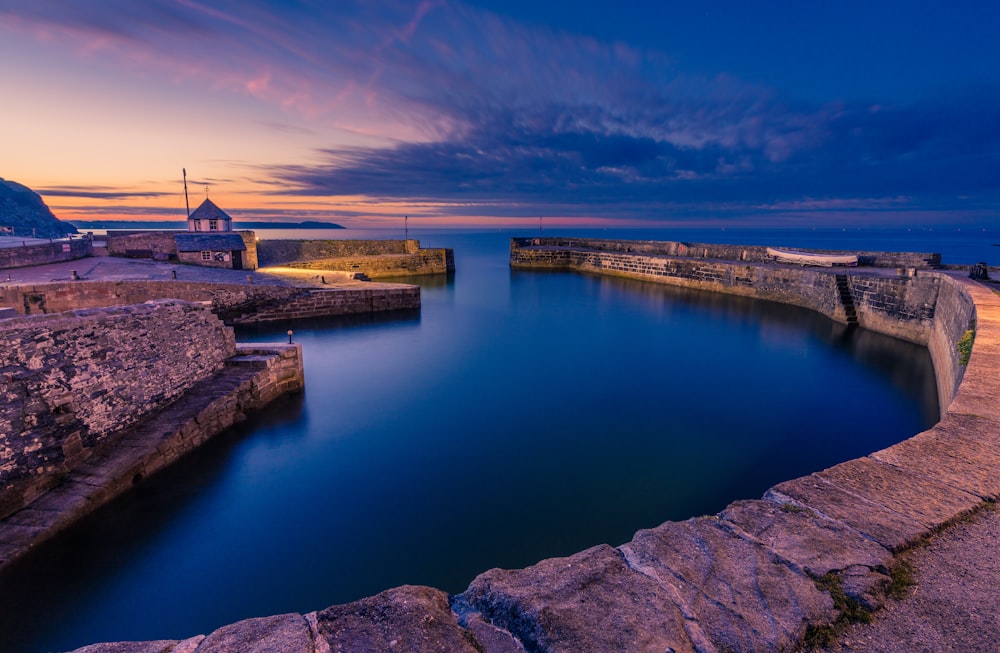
point(290, 336)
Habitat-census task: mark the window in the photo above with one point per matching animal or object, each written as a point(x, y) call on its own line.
point(206, 256)
point(213, 225)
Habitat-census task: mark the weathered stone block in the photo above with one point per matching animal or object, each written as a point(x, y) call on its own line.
point(591, 601)
point(873, 520)
point(961, 451)
point(805, 539)
point(915, 497)
point(288, 633)
point(409, 618)
point(740, 595)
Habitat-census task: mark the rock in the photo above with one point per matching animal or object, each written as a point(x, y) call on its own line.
point(740, 595)
point(591, 601)
point(23, 210)
point(288, 633)
point(808, 541)
point(158, 646)
point(408, 618)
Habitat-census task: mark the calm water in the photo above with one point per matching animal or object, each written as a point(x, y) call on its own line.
point(517, 416)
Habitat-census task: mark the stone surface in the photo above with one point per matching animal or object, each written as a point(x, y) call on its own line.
point(951, 606)
point(873, 520)
point(591, 601)
point(961, 451)
point(917, 498)
point(741, 596)
point(70, 380)
point(408, 618)
point(287, 633)
point(808, 541)
point(159, 646)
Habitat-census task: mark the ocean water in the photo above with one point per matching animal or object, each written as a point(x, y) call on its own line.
point(517, 416)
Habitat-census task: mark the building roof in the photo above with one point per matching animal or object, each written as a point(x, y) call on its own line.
point(209, 211)
point(229, 242)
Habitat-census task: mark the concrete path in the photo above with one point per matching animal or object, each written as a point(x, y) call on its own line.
point(121, 269)
point(953, 604)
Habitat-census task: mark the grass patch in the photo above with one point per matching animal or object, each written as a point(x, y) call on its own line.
point(850, 612)
point(965, 345)
point(900, 580)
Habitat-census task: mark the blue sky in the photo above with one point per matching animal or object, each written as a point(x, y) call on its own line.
point(804, 114)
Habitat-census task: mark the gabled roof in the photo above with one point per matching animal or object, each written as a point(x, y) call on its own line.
point(209, 211)
point(209, 242)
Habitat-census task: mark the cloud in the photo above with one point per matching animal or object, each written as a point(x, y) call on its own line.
point(98, 192)
point(472, 111)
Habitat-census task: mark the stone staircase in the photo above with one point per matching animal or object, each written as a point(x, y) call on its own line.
point(846, 300)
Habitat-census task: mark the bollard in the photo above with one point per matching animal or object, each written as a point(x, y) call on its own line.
point(979, 271)
point(173, 274)
point(73, 275)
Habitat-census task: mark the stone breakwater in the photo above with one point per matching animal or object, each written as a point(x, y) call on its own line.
point(374, 258)
point(236, 303)
point(95, 400)
point(742, 580)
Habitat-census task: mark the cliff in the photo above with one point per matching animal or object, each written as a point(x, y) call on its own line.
point(23, 212)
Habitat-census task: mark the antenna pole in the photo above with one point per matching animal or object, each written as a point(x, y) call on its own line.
point(187, 204)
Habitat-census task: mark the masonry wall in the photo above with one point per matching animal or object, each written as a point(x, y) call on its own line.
point(426, 261)
point(152, 244)
point(234, 303)
point(68, 250)
point(747, 253)
point(955, 312)
point(321, 303)
point(275, 252)
point(374, 258)
point(225, 298)
point(70, 380)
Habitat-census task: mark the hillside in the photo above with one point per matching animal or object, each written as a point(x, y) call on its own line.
point(23, 213)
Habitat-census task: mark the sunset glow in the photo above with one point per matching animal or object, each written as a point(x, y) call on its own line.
point(500, 113)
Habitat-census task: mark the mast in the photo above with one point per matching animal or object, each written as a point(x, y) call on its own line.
point(186, 204)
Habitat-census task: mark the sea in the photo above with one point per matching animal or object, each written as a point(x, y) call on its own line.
point(518, 415)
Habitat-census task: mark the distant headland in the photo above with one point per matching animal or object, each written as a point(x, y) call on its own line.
point(84, 225)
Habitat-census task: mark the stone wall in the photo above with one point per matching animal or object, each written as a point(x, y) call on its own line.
point(66, 250)
point(426, 261)
point(954, 313)
point(70, 380)
point(903, 307)
point(321, 303)
point(159, 245)
point(277, 252)
point(235, 303)
point(747, 253)
point(374, 258)
point(899, 306)
point(258, 374)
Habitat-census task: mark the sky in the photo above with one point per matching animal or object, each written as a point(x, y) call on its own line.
point(493, 112)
